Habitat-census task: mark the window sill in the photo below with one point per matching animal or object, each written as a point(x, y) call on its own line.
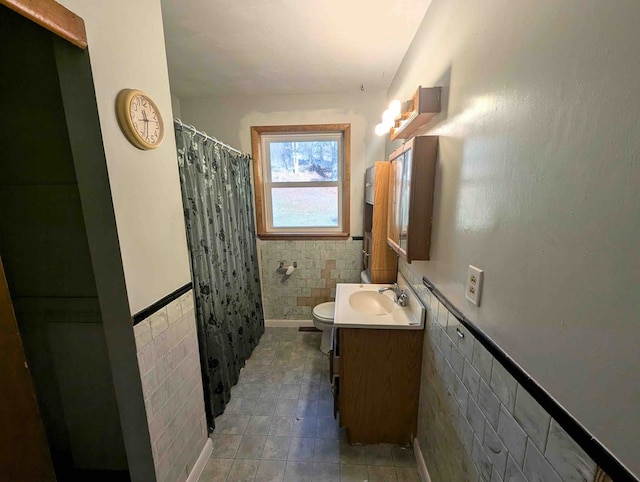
point(302, 236)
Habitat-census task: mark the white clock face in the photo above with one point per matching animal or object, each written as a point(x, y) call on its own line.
point(145, 119)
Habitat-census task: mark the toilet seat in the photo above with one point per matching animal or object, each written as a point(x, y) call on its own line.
point(325, 311)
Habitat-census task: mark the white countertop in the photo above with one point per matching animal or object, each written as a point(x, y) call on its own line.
point(350, 314)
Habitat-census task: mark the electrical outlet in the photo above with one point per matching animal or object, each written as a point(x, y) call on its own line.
point(474, 285)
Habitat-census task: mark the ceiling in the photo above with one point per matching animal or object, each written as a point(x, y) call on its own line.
point(232, 47)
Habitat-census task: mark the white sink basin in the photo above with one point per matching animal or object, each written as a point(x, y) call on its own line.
point(362, 306)
point(371, 302)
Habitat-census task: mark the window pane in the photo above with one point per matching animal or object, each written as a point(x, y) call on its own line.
point(304, 207)
point(304, 161)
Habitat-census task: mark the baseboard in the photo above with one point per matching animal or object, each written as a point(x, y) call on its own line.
point(422, 466)
point(198, 467)
point(287, 323)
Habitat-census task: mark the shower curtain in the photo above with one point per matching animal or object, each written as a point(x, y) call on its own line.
point(218, 210)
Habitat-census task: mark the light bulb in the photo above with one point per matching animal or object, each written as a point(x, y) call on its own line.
point(381, 130)
point(388, 117)
point(395, 107)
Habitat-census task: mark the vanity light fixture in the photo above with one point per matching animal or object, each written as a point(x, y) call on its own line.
point(403, 120)
point(389, 117)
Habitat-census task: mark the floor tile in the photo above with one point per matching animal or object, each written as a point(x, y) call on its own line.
point(380, 473)
point(403, 456)
point(251, 447)
point(408, 474)
point(243, 470)
point(301, 449)
point(258, 425)
point(289, 391)
point(326, 472)
point(243, 406)
point(271, 471)
point(305, 426)
point(327, 427)
point(279, 423)
point(326, 450)
point(299, 472)
point(216, 470)
point(276, 448)
point(352, 454)
point(379, 455)
point(282, 426)
point(225, 446)
point(307, 408)
point(265, 406)
point(353, 473)
point(270, 391)
point(286, 407)
point(234, 425)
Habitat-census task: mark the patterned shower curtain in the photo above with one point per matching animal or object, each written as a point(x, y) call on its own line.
point(218, 210)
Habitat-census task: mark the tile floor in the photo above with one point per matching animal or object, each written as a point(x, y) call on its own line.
point(279, 424)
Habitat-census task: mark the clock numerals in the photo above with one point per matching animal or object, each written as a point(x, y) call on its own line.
point(144, 120)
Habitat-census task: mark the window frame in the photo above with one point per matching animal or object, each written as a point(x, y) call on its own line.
point(261, 181)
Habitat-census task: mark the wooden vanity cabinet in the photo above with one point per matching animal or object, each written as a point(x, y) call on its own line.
point(379, 260)
point(377, 388)
point(411, 185)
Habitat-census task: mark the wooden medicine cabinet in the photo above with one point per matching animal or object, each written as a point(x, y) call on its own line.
point(411, 184)
point(379, 260)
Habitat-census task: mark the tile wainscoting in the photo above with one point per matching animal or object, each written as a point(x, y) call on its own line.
point(169, 363)
point(475, 421)
point(321, 264)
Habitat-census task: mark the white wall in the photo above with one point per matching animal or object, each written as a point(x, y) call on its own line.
point(175, 106)
point(144, 184)
point(230, 119)
point(537, 184)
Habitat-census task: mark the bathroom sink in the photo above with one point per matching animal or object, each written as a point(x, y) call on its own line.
point(371, 303)
point(360, 305)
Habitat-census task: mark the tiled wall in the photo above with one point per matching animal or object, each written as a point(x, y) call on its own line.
point(171, 383)
point(321, 264)
point(475, 421)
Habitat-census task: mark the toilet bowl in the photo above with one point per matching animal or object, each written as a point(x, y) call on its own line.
point(323, 318)
point(323, 321)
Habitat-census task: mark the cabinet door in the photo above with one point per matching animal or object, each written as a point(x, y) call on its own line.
point(404, 203)
point(369, 182)
point(395, 184)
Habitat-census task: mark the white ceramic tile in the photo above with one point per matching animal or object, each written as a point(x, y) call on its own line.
point(456, 358)
point(512, 435)
point(482, 360)
point(495, 449)
point(186, 301)
point(503, 385)
point(159, 322)
point(481, 459)
point(532, 417)
point(142, 333)
point(471, 379)
point(476, 418)
point(566, 457)
point(461, 394)
point(536, 468)
point(488, 403)
point(443, 315)
point(174, 311)
point(466, 342)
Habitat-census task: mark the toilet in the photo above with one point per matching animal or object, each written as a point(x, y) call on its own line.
point(323, 318)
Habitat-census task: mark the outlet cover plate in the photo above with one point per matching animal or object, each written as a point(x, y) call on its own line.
point(474, 285)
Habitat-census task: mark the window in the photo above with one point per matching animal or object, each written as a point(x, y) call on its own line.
point(301, 180)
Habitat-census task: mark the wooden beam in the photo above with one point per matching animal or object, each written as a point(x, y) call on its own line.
point(54, 17)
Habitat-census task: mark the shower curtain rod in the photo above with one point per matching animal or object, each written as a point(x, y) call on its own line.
point(206, 136)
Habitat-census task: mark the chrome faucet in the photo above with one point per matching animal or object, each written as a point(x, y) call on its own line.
point(401, 296)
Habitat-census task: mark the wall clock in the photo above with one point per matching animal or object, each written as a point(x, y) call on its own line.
point(140, 119)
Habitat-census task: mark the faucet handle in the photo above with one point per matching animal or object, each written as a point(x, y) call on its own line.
point(402, 298)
